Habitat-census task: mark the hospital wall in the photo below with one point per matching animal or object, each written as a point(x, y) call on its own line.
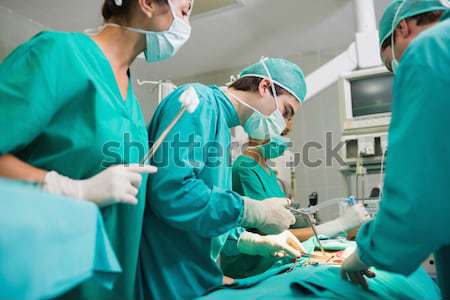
point(146, 94)
point(14, 30)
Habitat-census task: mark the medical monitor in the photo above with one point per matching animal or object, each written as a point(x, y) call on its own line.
point(366, 98)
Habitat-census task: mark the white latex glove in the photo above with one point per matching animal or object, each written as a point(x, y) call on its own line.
point(352, 217)
point(117, 184)
point(280, 245)
point(269, 216)
point(354, 269)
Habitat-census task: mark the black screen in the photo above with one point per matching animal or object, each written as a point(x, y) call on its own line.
point(372, 95)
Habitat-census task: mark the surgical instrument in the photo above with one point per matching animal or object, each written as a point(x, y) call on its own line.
point(189, 102)
point(311, 223)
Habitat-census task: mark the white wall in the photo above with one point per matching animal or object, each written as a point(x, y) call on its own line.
point(317, 117)
point(14, 30)
point(146, 94)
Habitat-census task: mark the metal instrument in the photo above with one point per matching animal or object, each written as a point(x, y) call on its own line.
point(311, 223)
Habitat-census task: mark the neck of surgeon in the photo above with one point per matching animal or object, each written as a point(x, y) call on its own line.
point(120, 45)
point(255, 153)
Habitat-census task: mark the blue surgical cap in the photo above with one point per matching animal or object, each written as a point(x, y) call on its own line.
point(403, 9)
point(284, 73)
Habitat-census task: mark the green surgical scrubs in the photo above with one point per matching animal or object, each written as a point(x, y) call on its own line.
point(253, 181)
point(190, 205)
point(414, 215)
point(62, 110)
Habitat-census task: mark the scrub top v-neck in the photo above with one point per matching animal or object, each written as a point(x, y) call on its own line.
point(62, 110)
point(251, 180)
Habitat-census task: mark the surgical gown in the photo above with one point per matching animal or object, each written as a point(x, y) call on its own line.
point(190, 205)
point(414, 215)
point(321, 281)
point(62, 110)
point(40, 243)
point(250, 180)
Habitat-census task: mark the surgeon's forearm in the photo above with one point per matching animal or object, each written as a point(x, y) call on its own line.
point(13, 168)
point(303, 234)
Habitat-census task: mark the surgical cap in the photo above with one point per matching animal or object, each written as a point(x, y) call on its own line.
point(408, 8)
point(284, 73)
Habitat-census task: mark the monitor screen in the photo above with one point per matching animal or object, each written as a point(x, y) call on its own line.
point(372, 95)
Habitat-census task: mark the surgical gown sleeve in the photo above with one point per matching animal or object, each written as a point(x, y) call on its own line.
point(27, 93)
point(178, 196)
point(245, 183)
point(413, 218)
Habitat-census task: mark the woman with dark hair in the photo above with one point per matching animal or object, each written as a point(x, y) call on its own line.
point(67, 101)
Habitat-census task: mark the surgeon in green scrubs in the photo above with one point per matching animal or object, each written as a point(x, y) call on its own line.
point(191, 208)
point(253, 177)
point(414, 215)
point(70, 120)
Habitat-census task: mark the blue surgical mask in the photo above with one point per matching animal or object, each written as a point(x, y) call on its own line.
point(274, 148)
point(165, 44)
point(261, 127)
point(395, 63)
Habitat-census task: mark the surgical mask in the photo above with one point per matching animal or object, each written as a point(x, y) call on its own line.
point(274, 148)
point(395, 63)
point(261, 127)
point(165, 44)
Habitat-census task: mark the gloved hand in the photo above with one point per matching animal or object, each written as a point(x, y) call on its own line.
point(116, 184)
point(269, 216)
point(281, 245)
point(352, 217)
point(354, 269)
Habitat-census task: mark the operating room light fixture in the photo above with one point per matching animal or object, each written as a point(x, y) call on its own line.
point(363, 53)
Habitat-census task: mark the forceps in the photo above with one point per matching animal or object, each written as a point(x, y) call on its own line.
point(311, 223)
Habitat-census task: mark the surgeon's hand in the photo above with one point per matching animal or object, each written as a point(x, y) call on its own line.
point(116, 184)
point(269, 216)
point(355, 270)
point(352, 217)
point(281, 245)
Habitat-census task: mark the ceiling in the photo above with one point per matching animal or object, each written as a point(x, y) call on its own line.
point(225, 38)
point(207, 7)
